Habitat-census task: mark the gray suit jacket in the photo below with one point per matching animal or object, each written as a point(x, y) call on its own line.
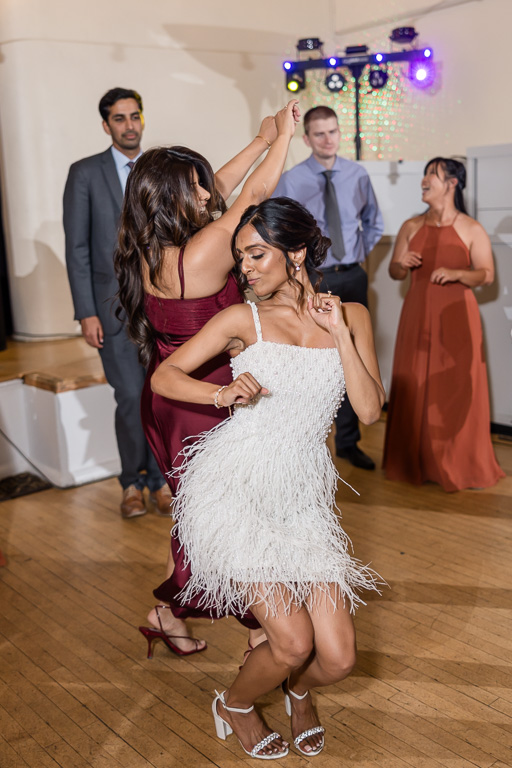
point(92, 205)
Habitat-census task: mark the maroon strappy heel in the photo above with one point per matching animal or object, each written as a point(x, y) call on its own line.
point(151, 634)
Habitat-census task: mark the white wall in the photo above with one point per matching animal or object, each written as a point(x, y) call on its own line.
point(207, 72)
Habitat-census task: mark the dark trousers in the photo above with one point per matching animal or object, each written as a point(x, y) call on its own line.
point(126, 376)
point(350, 285)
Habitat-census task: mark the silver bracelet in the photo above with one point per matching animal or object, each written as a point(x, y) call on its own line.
point(216, 398)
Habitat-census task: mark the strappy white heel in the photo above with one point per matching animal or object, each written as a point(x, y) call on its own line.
point(305, 734)
point(224, 729)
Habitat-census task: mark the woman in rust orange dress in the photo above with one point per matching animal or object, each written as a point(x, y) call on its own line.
point(438, 426)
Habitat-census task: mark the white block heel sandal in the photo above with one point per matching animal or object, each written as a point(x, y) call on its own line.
point(224, 729)
point(304, 734)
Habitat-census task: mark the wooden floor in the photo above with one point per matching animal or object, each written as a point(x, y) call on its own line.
point(63, 359)
point(433, 684)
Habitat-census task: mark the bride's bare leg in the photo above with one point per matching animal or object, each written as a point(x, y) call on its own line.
point(289, 643)
point(332, 661)
point(173, 626)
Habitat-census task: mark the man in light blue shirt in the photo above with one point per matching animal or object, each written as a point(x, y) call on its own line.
point(340, 196)
point(93, 200)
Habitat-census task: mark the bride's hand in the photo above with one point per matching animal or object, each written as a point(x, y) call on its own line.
point(325, 309)
point(244, 389)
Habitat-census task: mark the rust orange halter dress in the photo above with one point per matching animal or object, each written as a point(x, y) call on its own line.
point(438, 425)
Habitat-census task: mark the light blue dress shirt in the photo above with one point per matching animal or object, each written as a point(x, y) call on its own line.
point(361, 221)
point(122, 167)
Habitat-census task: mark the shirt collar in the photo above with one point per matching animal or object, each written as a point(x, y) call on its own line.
point(120, 159)
point(316, 167)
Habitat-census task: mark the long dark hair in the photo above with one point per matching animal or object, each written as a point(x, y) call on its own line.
point(287, 225)
point(160, 210)
point(453, 169)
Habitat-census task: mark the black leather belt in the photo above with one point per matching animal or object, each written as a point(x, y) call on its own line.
point(340, 267)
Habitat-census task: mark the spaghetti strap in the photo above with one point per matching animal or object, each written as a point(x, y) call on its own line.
point(181, 273)
point(256, 318)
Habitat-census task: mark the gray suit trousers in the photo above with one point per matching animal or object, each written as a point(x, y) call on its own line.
point(126, 376)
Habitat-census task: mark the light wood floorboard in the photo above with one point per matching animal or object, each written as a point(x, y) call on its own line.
point(433, 683)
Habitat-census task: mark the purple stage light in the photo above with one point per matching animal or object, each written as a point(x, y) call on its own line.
point(422, 73)
point(287, 65)
point(379, 57)
point(427, 53)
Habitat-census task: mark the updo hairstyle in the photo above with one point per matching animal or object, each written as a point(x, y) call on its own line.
point(287, 225)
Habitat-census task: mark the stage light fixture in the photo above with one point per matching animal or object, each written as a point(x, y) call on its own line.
point(335, 82)
point(403, 35)
point(422, 73)
point(378, 78)
point(371, 68)
point(309, 44)
point(295, 81)
point(356, 50)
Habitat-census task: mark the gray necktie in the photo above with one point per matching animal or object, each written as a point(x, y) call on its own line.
point(332, 218)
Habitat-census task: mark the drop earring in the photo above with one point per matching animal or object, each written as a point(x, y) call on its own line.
point(297, 267)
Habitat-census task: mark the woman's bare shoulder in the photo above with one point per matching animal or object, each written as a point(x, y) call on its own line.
point(235, 312)
point(355, 311)
point(413, 223)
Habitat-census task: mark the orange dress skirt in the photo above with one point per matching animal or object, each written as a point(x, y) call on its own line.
point(438, 425)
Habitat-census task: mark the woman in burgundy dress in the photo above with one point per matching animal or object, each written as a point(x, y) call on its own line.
point(173, 263)
point(438, 425)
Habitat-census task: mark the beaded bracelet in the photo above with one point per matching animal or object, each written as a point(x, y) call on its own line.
point(216, 398)
point(259, 136)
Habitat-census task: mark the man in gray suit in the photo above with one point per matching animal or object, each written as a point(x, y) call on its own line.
point(92, 205)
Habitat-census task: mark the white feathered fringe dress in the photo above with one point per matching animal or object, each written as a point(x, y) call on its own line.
point(256, 499)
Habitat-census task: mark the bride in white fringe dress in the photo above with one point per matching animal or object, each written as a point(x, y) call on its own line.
point(256, 505)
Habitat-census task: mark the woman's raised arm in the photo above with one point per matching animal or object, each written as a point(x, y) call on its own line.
point(210, 248)
point(234, 171)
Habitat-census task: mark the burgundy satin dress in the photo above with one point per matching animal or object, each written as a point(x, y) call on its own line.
point(168, 423)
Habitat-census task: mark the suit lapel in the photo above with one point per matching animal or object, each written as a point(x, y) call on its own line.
point(112, 179)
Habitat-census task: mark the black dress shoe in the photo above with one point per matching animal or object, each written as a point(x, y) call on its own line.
point(356, 457)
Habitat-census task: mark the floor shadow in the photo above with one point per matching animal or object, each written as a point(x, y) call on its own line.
point(429, 593)
point(386, 666)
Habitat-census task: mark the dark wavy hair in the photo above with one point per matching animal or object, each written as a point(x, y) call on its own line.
point(287, 225)
point(160, 210)
point(453, 169)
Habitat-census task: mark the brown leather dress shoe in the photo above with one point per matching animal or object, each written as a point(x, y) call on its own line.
point(161, 500)
point(132, 504)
